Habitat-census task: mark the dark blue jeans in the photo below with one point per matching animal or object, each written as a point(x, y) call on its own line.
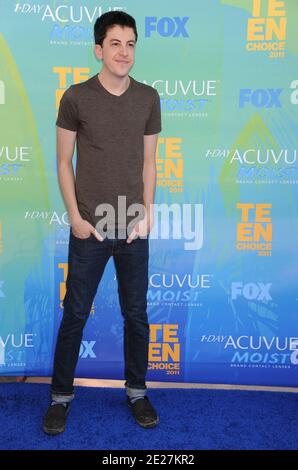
point(86, 263)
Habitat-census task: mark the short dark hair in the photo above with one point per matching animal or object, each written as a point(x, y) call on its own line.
point(110, 19)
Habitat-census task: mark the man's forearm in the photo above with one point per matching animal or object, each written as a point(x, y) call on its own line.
point(67, 186)
point(149, 179)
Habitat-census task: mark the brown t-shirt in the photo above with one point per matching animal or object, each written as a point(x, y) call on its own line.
point(110, 142)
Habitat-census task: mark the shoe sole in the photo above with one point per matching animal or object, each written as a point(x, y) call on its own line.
point(149, 425)
point(53, 432)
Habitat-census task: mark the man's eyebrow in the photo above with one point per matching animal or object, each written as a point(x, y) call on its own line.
point(118, 40)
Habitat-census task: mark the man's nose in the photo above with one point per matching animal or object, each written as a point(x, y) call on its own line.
point(124, 50)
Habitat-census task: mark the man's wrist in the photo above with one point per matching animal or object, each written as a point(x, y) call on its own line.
point(74, 218)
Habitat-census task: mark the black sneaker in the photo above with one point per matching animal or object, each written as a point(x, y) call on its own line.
point(144, 412)
point(55, 420)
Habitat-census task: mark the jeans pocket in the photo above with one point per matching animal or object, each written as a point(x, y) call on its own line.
point(81, 239)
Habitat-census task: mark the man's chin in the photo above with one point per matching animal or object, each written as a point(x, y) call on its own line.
point(123, 72)
point(122, 75)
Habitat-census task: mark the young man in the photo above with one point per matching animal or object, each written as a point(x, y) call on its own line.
point(114, 121)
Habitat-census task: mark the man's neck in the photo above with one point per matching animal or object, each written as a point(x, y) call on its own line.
point(115, 85)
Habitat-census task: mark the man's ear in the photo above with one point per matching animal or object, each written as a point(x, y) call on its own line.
point(98, 51)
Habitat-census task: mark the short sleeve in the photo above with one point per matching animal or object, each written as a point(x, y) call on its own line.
point(68, 112)
point(153, 124)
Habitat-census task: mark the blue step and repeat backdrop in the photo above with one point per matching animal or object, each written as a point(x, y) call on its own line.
point(223, 296)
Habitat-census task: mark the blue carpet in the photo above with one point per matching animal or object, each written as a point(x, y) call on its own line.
point(189, 419)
